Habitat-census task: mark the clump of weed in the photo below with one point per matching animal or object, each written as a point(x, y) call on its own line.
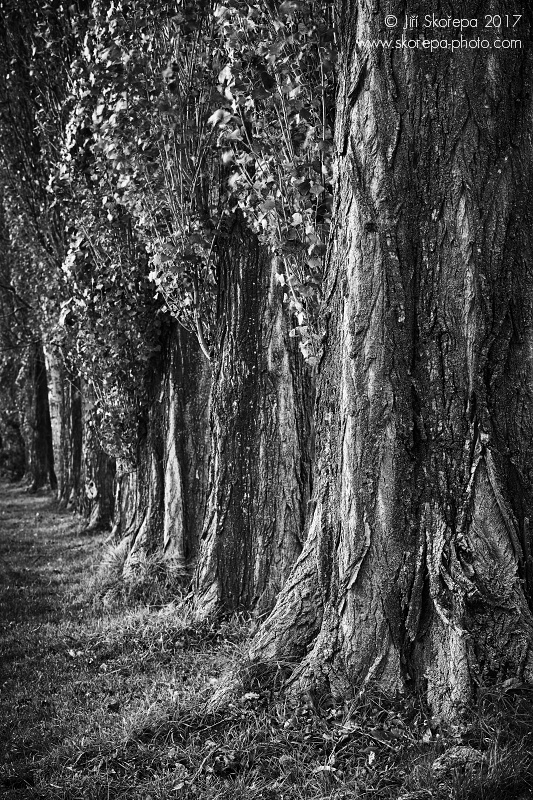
point(155, 580)
point(485, 755)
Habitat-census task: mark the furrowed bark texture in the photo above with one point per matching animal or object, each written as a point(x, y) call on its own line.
point(419, 558)
point(163, 502)
point(262, 440)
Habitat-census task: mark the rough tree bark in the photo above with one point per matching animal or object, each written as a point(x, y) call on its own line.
point(64, 395)
point(97, 477)
point(161, 504)
point(417, 568)
point(261, 428)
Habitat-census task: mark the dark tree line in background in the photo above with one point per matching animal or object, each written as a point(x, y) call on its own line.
point(225, 226)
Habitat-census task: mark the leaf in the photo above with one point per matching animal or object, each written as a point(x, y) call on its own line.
point(250, 696)
point(225, 75)
point(234, 136)
point(219, 117)
point(290, 7)
point(64, 315)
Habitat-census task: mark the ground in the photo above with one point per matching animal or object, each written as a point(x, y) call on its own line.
point(110, 699)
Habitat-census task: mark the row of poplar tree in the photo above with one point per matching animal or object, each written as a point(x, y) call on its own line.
point(266, 310)
point(166, 202)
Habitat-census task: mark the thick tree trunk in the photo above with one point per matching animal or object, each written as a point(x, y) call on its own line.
point(162, 502)
point(35, 415)
point(74, 500)
point(191, 423)
point(126, 503)
point(64, 395)
point(262, 440)
point(99, 488)
point(417, 570)
point(97, 473)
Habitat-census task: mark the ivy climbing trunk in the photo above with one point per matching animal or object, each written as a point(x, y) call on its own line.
point(417, 568)
point(262, 440)
point(97, 472)
point(162, 502)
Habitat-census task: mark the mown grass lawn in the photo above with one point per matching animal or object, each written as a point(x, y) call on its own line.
point(113, 701)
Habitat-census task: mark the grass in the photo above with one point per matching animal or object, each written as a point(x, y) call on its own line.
point(156, 581)
point(112, 701)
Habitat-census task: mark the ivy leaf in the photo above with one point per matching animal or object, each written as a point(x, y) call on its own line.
point(290, 7)
point(220, 117)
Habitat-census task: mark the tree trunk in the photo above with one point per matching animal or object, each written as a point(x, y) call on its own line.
point(417, 571)
point(76, 443)
point(163, 500)
point(97, 473)
point(64, 395)
point(262, 440)
point(35, 415)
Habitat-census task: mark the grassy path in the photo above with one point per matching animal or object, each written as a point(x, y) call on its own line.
point(78, 684)
point(43, 569)
point(103, 703)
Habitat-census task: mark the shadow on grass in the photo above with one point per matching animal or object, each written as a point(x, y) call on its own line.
point(114, 703)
